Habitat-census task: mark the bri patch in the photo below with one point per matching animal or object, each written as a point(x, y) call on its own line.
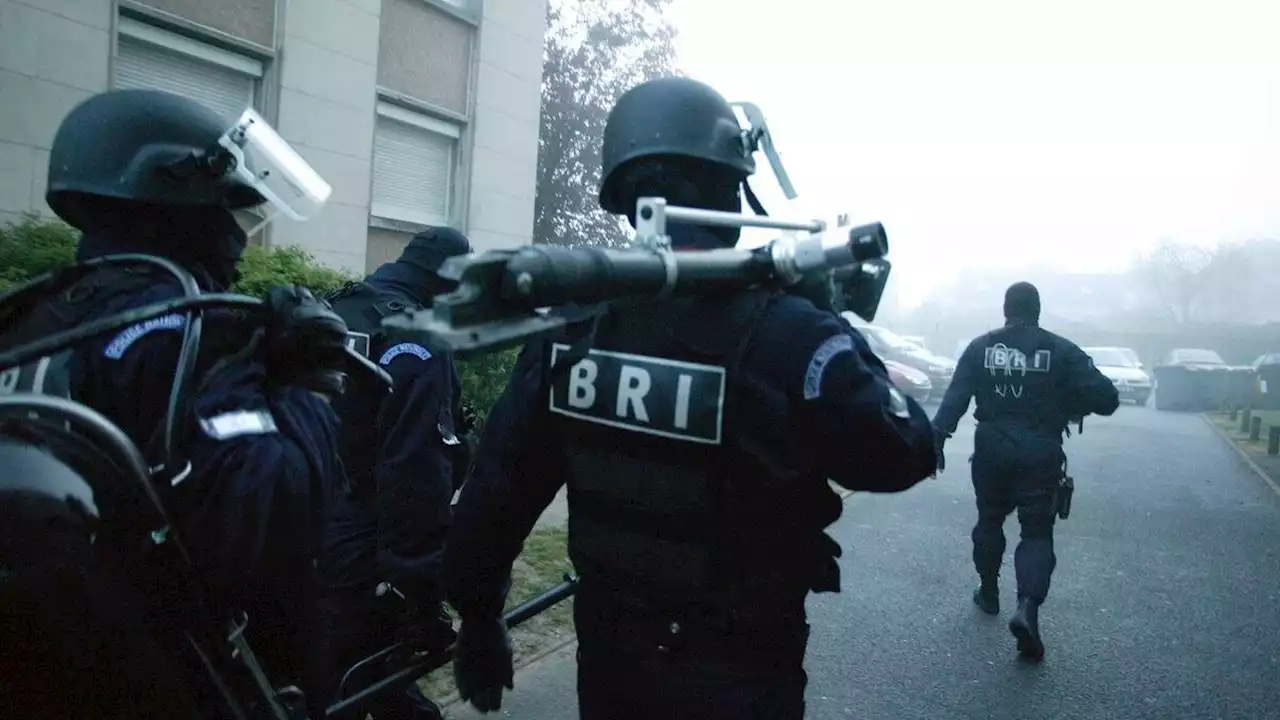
point(404, 349)
point(653, 395)
point(121, 343)
point(822, 357)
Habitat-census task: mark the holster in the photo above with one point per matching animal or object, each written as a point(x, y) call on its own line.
point(1062, 495)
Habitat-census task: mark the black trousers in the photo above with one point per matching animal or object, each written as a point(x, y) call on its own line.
point(1016, 470)
point(640, 666)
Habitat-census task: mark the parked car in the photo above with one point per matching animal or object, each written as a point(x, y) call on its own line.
point(1195, 357)
point(910, 381)
point(1266, 376)
point(1122, 368)
point(1265, 359)
point(891, 346)
point(918, 340)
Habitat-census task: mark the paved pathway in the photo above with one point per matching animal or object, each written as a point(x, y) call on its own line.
point(1166, 603)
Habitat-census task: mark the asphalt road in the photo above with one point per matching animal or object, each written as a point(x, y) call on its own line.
point(1165, 604)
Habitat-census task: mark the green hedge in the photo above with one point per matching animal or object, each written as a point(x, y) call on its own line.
point(36, 245)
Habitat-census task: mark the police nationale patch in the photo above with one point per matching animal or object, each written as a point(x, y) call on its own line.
point(121, 343)
point(832, 347)
point(652, 395)
point(407, 348)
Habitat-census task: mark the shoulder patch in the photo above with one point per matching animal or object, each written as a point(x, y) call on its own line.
point(237, 423)
point(406, 348)
point(121, 343)
point(639, 393)
point(822, 357)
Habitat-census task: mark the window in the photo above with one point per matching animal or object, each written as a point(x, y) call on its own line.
point(148, 57)
point(413, 163)
point(468, 9)
point(1110, 357)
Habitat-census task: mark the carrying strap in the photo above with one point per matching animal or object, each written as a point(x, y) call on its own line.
point(75, 304)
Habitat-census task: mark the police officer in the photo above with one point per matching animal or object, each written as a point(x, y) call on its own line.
point(140, 171)
point(696, 436)
point(1027, 384)
point(404, 454)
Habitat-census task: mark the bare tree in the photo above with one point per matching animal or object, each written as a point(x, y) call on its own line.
point(1178, 275)
point(595, 51)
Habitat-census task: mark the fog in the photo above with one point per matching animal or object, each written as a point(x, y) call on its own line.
point(1002, 139)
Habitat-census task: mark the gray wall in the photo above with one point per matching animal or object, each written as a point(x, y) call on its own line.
point(327, 63)
point(504, 166)
point(328, 72)
point(52, 55)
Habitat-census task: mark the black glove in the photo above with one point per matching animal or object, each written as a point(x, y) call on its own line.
point(306, 341)
point(426, 629)
point(939, 443)
point(483, 663)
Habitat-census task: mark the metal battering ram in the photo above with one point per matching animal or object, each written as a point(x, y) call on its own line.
point(508, 297)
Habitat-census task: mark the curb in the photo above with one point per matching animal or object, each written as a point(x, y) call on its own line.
point(453, 699)
point(1243, 455)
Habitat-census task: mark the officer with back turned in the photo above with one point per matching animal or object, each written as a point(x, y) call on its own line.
point(144, 172)
point(1027, 384)
point(696, 436)
point(404, 453)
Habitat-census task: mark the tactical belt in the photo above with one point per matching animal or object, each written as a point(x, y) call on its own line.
point(775, 643)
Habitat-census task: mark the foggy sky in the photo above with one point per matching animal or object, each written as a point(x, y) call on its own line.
point(1003, 133)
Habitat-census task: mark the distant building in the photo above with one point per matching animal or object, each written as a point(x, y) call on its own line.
point(417, 112)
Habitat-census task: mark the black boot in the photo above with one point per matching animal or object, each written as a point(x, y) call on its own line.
point(1025, 626)
point(987, 597)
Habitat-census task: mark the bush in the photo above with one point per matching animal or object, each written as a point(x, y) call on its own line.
point(260, 268)
point(484, 378)
point(38, 245)
point(32, 247)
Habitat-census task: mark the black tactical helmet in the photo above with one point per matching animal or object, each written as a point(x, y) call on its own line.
point(144, 146)
point(671, 116)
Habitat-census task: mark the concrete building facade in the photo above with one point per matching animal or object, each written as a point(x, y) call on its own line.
point(417, 112)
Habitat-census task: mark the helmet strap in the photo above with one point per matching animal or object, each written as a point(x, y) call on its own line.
point(266, 218)
point(752, 200)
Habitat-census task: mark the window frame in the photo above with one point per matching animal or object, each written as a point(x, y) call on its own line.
point(144, 32)
point(468, 11)
point(384, 217)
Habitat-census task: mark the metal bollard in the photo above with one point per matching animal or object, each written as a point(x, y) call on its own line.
point(1273, 440)
point(1245, 417)
point(1255, 429)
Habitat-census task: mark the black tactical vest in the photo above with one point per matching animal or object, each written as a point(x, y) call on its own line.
point(50, 315)
point(363, 307)
point(666, 503)
point(1020, 380)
